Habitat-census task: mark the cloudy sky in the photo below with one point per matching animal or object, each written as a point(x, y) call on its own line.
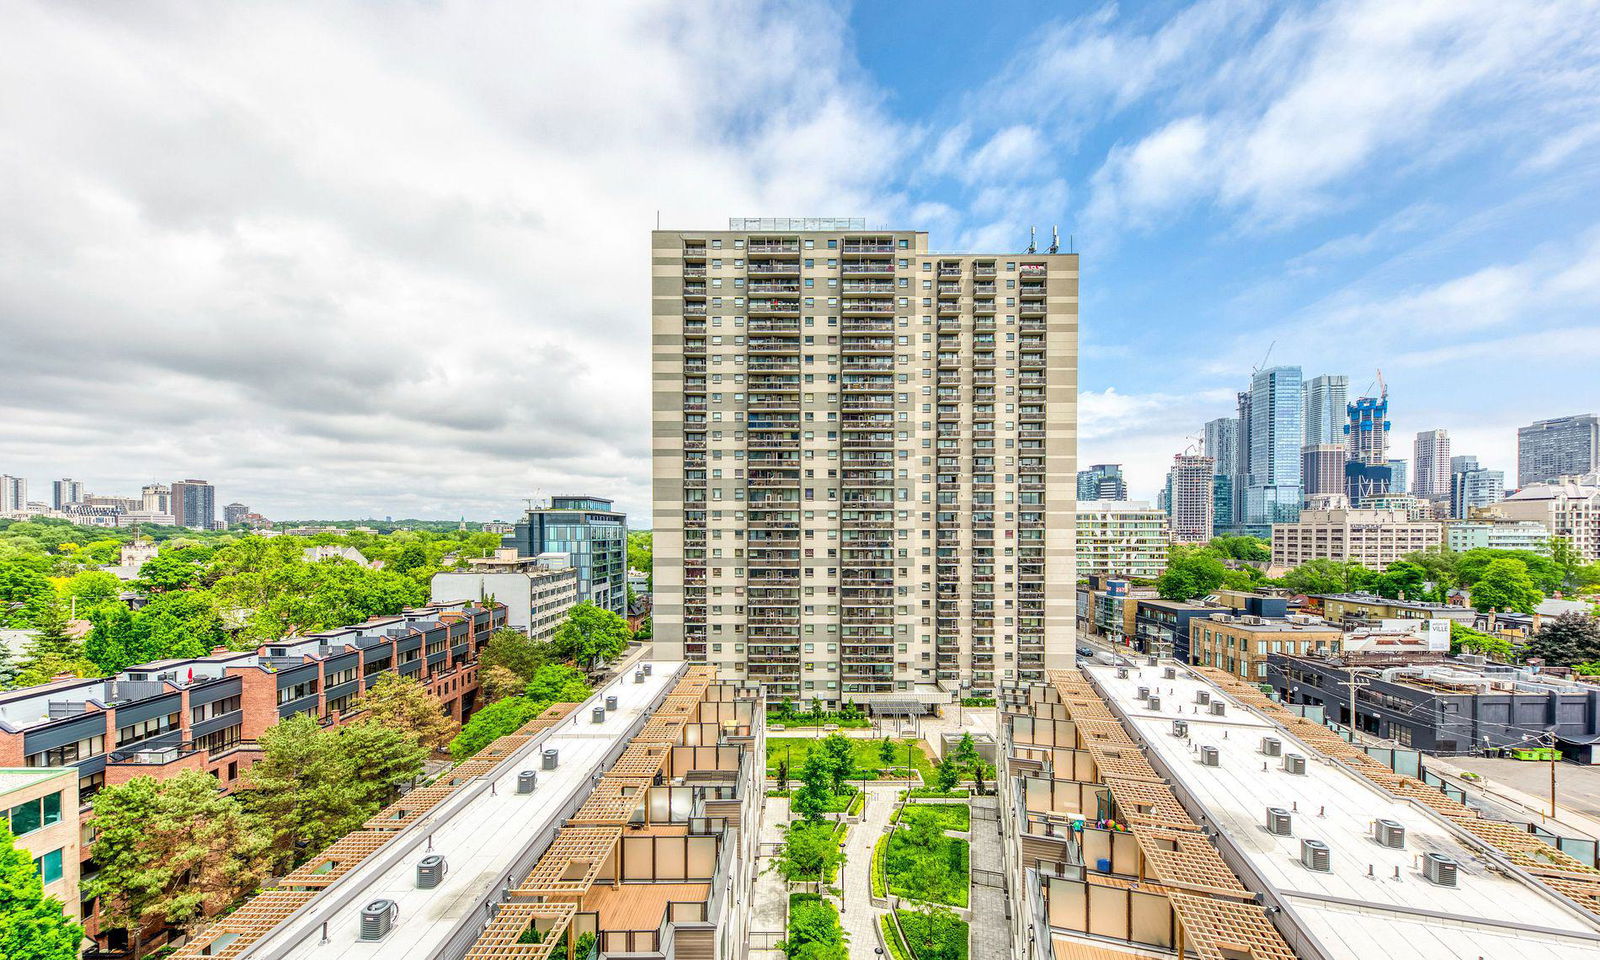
point(367, 259)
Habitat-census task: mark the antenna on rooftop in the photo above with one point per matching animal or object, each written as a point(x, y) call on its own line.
point(1055, 240)
point(1033, 243)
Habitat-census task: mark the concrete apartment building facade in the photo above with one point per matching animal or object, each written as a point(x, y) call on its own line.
point(537, 592)
point(1569, 507)
point(1193, 504)
point(864, 460)
point(1563, 447)
point(1121, 538)
point(1372, 538)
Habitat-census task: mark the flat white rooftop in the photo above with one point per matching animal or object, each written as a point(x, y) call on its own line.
point(482, 833)
point(1360, 908)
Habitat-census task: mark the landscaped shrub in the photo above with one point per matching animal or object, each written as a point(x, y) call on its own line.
point(934, 933)
point(810, 852)
point(944, 816)
point(814, 931)
point(923, 864)
point(891, 936)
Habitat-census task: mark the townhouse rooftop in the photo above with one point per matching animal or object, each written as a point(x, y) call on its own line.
point(1371, 899)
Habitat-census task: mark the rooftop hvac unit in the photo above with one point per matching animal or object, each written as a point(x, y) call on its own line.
point(430, 870)
point(598, 715)
point(1202, 696)
point(1294, 763)
point(1440, 869)
point(1389, 833)
point(611, 703)
point(646, 668)
point(1180, 728)
point(1171, 673)
point(1279, 822)
point(1219, 708)
point(1314, 856)
point(1209, 756)
point(1272, 746)
point(638, 676)
point(377, 919)
point(1154, 703)
point(1144, 693)
point(526, 781)
point(1152, 661)
point(1122, 673)
point(550, 756)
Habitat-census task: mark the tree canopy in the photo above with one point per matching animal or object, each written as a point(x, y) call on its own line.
point(1567, 640)
point(1504, 584)
point(591, 635)
point(404, 704)
point(1191, 572)
point(32, 925)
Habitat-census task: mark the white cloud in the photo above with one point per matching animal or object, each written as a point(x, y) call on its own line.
point(342, 258)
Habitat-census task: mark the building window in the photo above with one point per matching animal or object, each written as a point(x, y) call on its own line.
point(49, 866)
point(35, 814)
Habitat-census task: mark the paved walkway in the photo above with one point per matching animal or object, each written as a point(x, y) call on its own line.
point(768, 901)
point(860, 917)
point(990, 938)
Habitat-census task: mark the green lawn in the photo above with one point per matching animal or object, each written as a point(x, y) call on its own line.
point(837, 802)
point(945, 816)
point(866, 756)
point(935, 873)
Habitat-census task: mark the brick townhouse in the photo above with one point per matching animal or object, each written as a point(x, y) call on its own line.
point(159, 719)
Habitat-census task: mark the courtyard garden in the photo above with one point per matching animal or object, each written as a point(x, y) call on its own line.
point(918, 861)
point(885, 759)
point(814, 932)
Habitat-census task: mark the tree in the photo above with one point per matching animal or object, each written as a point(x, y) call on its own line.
point(1242, 548)
point(1505, 585)
point(497, 683)
point(558, 683)
point(783, 776)
point(493, 722)
point(1318, 576)
point(1191, 572)
point(1568, 639)
point(840, 756)
point(809, 852)
point(411, 556)
point(1402, 579)
point(92, 587)
point(172, 852)
point(32, 925)
point(934, 933)
point(591, 635)
point(813, 796)
point(404, 704)
point(965, 753)
point(166, 571)
point(640, 551)
point(8, 668)
point(1567, 560)
point(312, 786)
point(1464, 639)
point(886, 751)
point(515, 651)
point(23, 588)
point(947, 774)
point(1473, 564)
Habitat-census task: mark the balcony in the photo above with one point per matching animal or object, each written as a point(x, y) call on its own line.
point(867, 246)
point(1032, 270)
point(757, 308)
point(949, 307)
point(694, 309)
point(867, 307)
point(1031, 361)
point(773, 286)
point(870, 325)
point(773, 268)
point(775, 326)
point(985, 307)
point(774, 364)
point(866, 268)
point(1031, 308)
point(869, 287)
point(694, 272)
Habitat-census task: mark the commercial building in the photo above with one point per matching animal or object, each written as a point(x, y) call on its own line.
point(1430, 454)
point(1162, 626)
point(591, 534)
point(1274, 438)
point(234, 514)
point(1322, 470)
point(194, 504)
point(1492, 534)
point(1569, 508)
point(1240, 644)
point(1126, 538)
point(1353, 609)
point(1222, 501)
point(1473, 487)
point(40, 806)
point(1372, 538)
point(1103, 481)
point(1415, 508)
point(1325, 409)
point(538, 592)
point(846, 508)
point(1563, 447)
point(633, 818)
point(1192, 499)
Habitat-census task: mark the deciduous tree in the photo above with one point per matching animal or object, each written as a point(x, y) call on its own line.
point(591, 635)
point(172, 852)
point(491, 723)
point(404, 704)
point(32, 925)
point(1505, 585)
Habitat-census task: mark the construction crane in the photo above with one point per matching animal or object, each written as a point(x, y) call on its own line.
point(1265, 357)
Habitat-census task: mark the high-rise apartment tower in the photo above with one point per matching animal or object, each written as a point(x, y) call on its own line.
point(1430, 457)
point(1103, 481)
point(865, 457)
point(1192, 504)
point(1275, 437)
point(1324, 409)
point(194, 504)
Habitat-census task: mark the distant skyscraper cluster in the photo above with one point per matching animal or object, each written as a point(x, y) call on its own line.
point(1103, 481)
point(1297, 443)
point(185, 503)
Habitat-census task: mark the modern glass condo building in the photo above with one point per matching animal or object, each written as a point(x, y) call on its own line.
point(589, 531)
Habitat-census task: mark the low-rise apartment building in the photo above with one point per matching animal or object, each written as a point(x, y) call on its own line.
point(1121, 538)
point(1569, 507)
point(1241, 645)
point(538, 592)
point(1493, 534)
point(206, 713)
point(41, 809)
point(1348, 607)
point(1372, 538)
